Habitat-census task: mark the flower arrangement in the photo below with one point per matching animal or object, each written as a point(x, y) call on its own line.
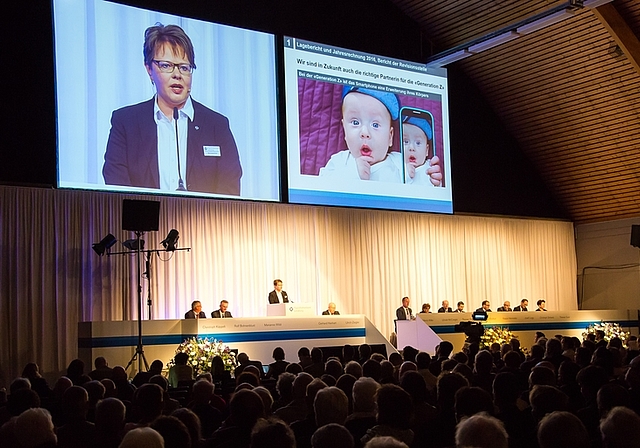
point(611, 330)
point(202, 350)
point(496, 334)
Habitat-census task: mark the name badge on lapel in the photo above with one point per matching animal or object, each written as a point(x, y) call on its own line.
point(211, 151)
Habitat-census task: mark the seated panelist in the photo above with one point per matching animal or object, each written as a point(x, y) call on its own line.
point(331, 310)
point(196, 311)
point(222, 312)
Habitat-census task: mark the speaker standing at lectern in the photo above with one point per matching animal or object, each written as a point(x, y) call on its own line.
point(278, 295)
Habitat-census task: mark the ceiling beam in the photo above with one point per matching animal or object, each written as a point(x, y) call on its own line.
point(620, 31)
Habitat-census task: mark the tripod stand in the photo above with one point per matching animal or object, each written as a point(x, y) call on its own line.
point(139, 354)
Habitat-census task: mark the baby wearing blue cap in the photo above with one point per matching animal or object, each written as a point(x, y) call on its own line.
point(367, 119)
point(416, 135)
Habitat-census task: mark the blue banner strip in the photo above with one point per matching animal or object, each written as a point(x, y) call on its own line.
point(369, 201)
point(227, 338)
point(538, 326)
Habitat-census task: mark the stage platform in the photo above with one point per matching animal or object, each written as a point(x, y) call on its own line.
point(525, 324)
point(258, 336)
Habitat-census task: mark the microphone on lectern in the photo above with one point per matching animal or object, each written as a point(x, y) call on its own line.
point(180, 181)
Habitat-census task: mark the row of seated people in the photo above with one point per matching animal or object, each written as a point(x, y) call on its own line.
point(556, 396)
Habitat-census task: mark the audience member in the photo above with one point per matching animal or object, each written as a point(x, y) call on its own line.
point(272, 433)
point(173, 431)
point(620, 428)
point(393, 418)
point(481, 431)
point(102, 369)
point(180, 371)
point(332, 435)
point(562, 429)
point(279, 365)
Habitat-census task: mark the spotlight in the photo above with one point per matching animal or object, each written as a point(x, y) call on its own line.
point(133, 244)
point(171, 240)
point(104, 244)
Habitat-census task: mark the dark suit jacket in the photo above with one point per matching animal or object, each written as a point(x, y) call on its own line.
point(131, 158)
point(273, 297)
point(326, 313)
point(217, 315)
point(401, 315)
point(191, 315)
point(442, 310)
point(482, 310)
point(519, 308)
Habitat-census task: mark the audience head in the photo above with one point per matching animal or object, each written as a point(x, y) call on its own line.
point(364, 392)
point(160, 381)
point(385, 442)
point(31, 371)
point(472, 400)
point(541, 375)
point(278, 354)
point(294, 368)
point(21, 400)
point(620, 428)
point(444, 349)
point(265, 396)
point(34, 428)
point(447, 386)
point(110, 415)
point(75, 403)
point(364, 350)
point(416, 387)
point(300, 383)
point(562, 429)
point(202, 391)
point(353, 368)
point(394, 407)
point(483, 362)
point(284, 385)
point(332, 435)
point(333, 367)
point(505, 388)
point(611, 395)
point(192, 422)
point(272, 433)
point(372, 369)
point(481, 431)
point(546, 399)
point(245, 408)
point(173, 431)
point(109, 387)
point(143, 437)
point(148, 401)
point(156, 367)
point(331, 405)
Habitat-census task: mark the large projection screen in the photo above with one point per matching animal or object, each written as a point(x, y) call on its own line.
point(333, 160)
point(100, 69)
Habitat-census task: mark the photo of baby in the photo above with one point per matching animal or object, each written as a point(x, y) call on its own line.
point(369, 123)
point(421, 163)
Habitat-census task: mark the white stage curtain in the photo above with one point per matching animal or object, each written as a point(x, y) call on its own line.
point(363, 260)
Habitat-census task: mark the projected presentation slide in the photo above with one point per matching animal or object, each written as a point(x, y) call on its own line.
point(152, 102)
point(365, 130)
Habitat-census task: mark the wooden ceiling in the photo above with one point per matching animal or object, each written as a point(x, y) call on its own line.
point(567, 93)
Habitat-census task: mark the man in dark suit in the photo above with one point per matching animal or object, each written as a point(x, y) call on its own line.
point(506, 306)
point(331, 310)
point(523, 305)
point(222, 312)
point(404, 312)
point(460, 308)
point(278, 295)
point(196, 311)
point(208, 160)
point(445, 308)
point(485, 308)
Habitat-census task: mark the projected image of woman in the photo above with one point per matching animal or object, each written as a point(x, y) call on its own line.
point(171, 142)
